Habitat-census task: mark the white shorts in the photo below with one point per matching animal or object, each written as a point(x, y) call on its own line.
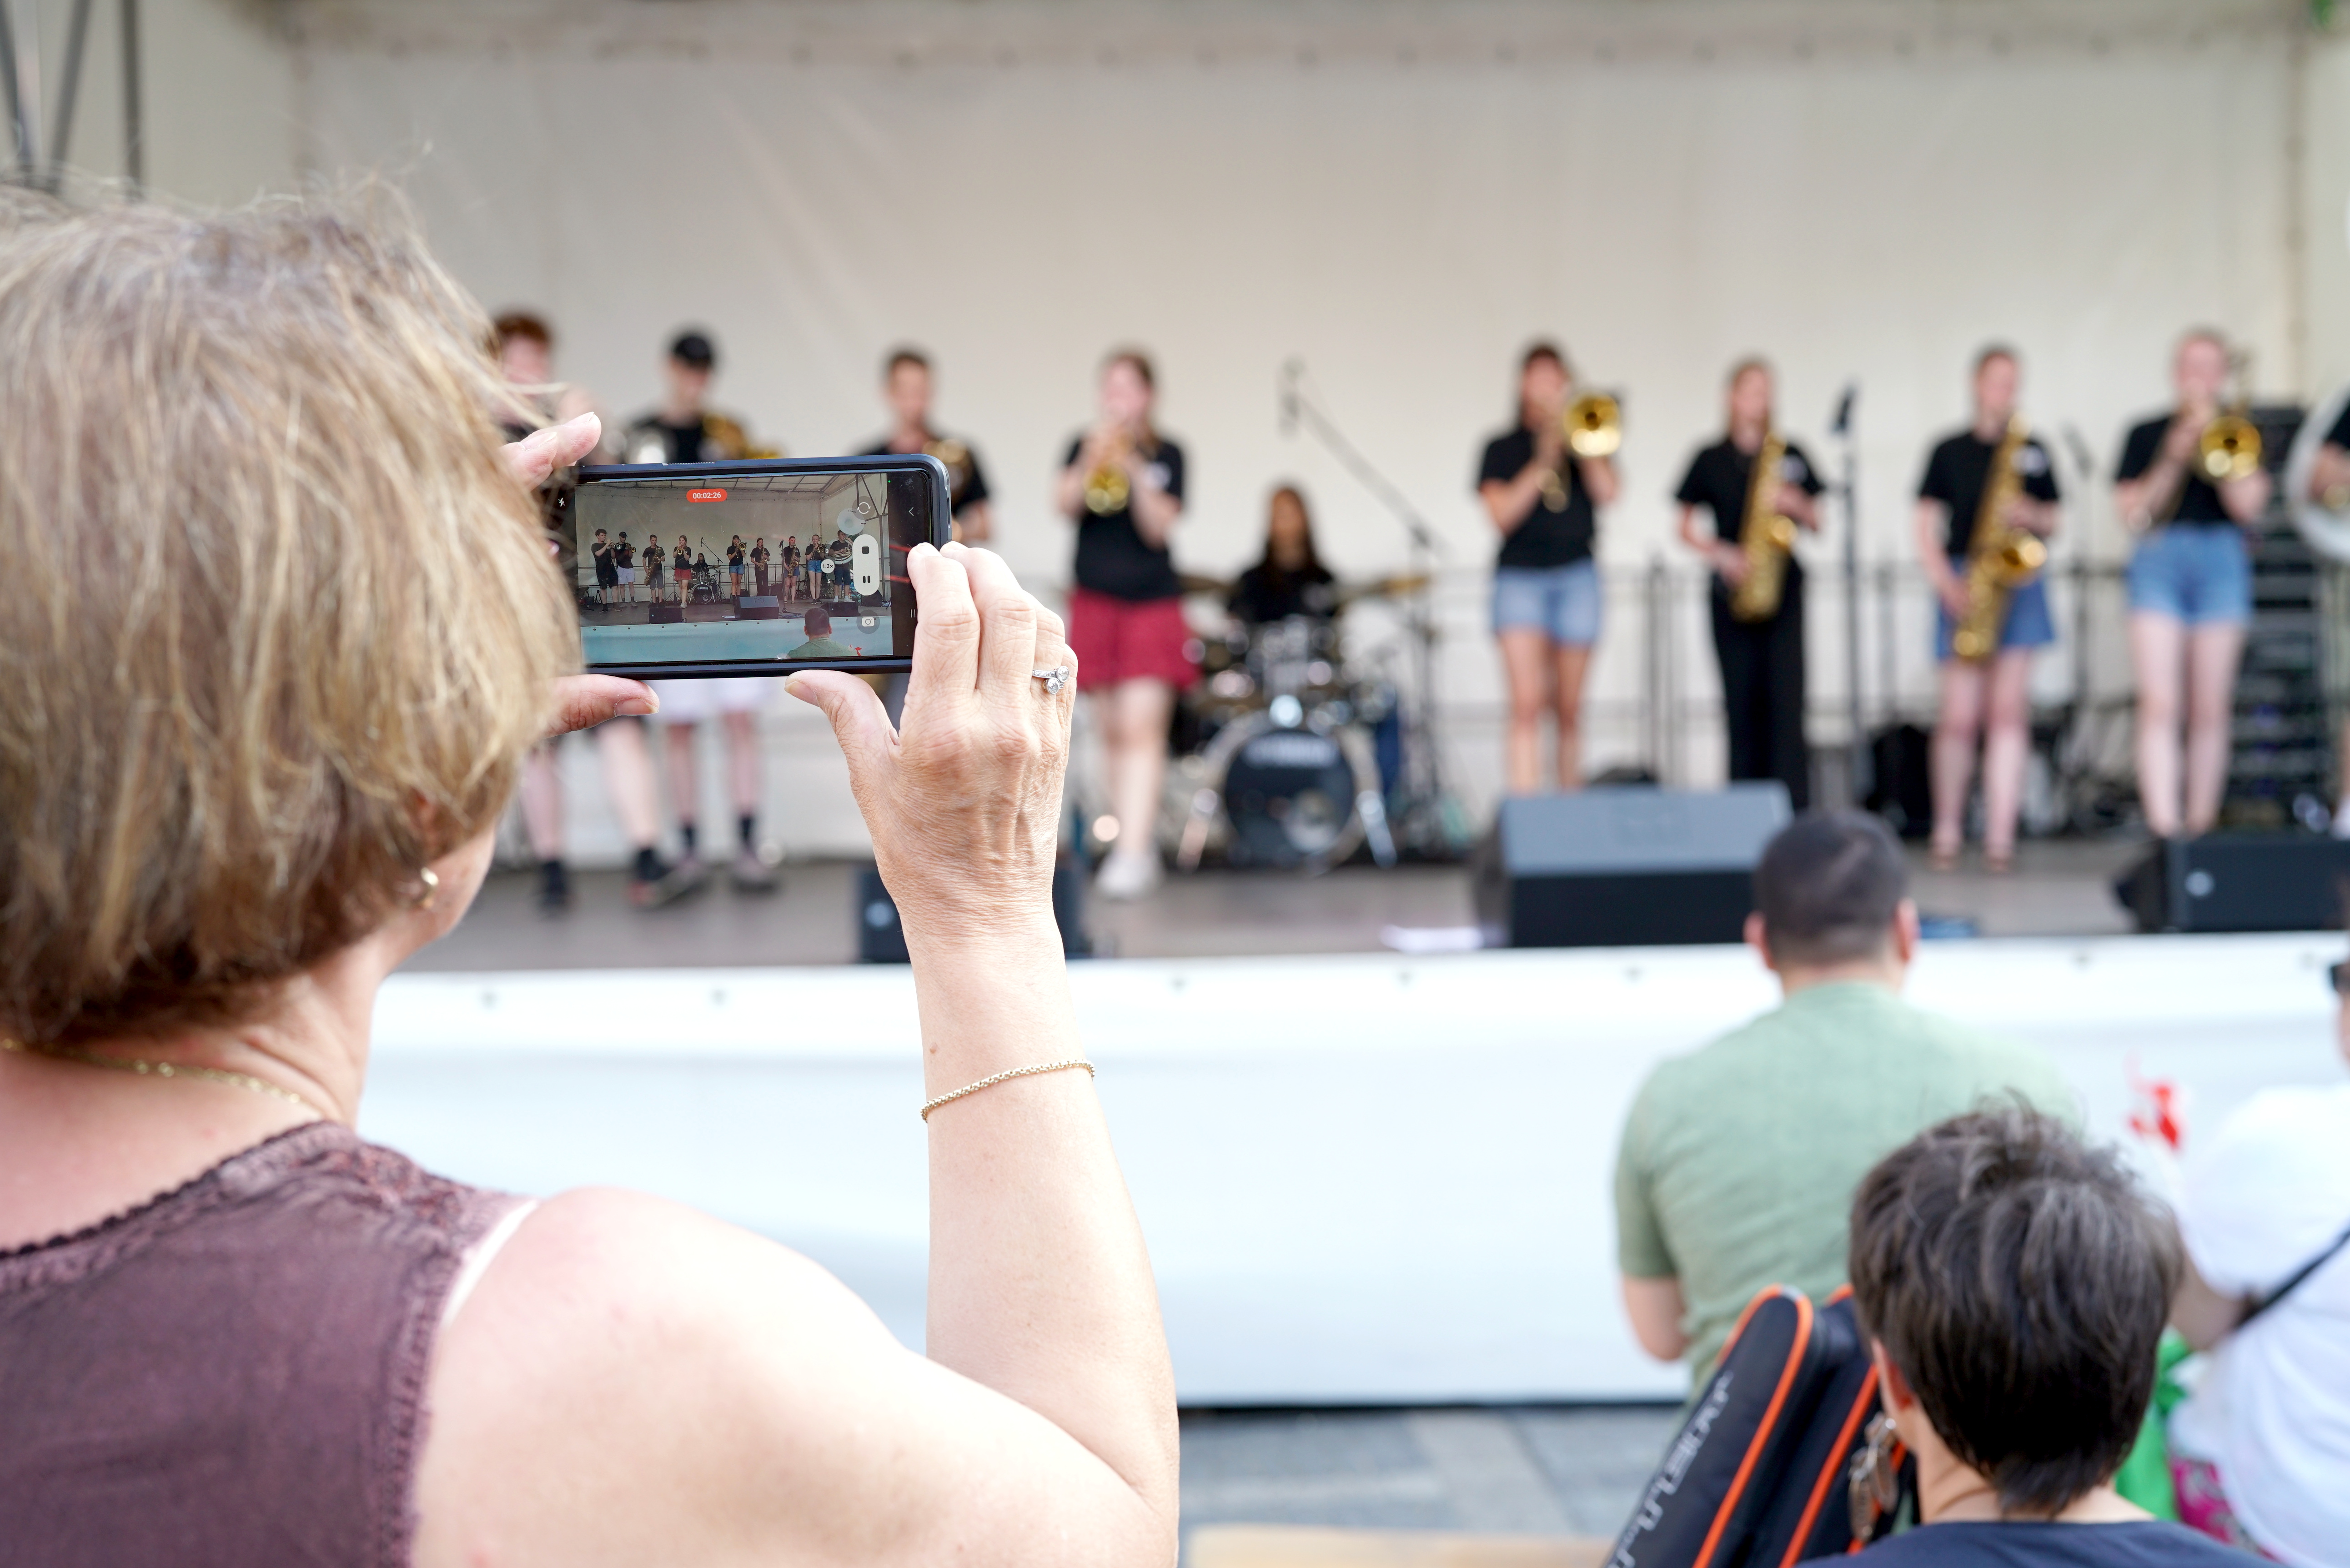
point(628, 574)
point(690, 701)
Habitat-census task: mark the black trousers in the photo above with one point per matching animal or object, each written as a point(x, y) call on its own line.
point(1763, 692)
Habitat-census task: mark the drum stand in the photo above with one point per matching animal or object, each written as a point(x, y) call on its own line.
point(1430, 821)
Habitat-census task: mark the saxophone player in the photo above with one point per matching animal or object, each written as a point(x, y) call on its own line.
point(1761, 654)
point(2191, 590)
point(1984, 695)
point(906, 389)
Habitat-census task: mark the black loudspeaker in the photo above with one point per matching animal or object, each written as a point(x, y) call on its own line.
point(657, 615)
point(1625, 867)
point(881, 939)
point(2239, 882)
point(758, 606)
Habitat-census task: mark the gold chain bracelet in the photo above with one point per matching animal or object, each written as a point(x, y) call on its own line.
point(989, 1083)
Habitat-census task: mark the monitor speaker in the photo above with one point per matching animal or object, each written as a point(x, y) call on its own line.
point(881, 939)
point(1625, 867)
point(758, 606)
point(659, 614)
point(2239, 882)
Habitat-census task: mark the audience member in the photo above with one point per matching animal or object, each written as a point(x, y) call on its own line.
point(2260, 1449)
point(2012, 1283)
point(1738, 1163)
point(235, 801)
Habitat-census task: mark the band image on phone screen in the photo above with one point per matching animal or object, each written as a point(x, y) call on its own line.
point(741, 571)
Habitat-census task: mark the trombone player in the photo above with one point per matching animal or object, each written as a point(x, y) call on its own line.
point(1542, 485)
point(2188, 483)
point(1758, 637)
point(1989, 488)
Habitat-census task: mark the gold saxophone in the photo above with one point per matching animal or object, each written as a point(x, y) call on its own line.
point(2002, 557)
point(1766, 535)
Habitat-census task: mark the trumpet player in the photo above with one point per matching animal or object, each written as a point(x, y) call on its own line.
point(1760, 647)
point(1121, 483)
point(1984, 694)
point(906, 390)
point(1543, 498)
point(2185, 497)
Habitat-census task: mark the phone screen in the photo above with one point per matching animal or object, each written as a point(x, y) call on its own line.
point(746, 569)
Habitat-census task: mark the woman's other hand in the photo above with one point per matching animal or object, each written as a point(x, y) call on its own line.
point(964, 801)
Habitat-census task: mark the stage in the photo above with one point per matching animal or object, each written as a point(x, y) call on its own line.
point(1366, 1177)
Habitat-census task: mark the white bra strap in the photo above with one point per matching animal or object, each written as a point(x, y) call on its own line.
point(477, 1261)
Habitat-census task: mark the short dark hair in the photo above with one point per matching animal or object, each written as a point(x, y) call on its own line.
point(516, 324)
point(1828, 887)
point(694, 349)
point(905, 354)
point(817, 622)
point(1542, 348)
point(2019, 1280)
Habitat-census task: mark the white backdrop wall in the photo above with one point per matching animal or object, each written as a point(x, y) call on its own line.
point(1863, 190)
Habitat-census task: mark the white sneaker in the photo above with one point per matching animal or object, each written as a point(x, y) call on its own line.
point(1127, 876)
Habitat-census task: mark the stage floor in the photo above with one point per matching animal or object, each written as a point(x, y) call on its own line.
point(2058, 888)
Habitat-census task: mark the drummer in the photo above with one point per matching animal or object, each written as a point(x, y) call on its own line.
point(1290, 579)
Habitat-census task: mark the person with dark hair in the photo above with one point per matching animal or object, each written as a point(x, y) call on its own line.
point(1738, 1163)
point(1121, 483)
point(608, 575)
point(906, 383)
point(2012, 1283)
point(683, 429)
point(1984, 694)
point(759, 559)
point(1544, 500)
point(818, 625)
point(1762, 660)
point(1289, 579)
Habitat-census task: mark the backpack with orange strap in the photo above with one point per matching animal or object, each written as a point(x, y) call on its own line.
point(1774, 1464)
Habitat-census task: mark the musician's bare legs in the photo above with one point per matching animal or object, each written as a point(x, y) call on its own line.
point(1572, 663)
point(2157, 653)
point(2213, 652)
point(1134, 716)
point(1992, 705)
point(1526, 666)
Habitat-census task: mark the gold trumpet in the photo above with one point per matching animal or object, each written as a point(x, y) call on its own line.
point(1108, 489)
point(2228, 447)
point(1593, 425)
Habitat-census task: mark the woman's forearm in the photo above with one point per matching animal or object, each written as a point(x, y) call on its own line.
point(1039, 1283)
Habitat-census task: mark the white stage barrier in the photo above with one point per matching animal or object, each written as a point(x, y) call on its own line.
point(1365, 1178)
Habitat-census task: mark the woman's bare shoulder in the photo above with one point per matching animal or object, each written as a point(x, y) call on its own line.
point(633, 1381)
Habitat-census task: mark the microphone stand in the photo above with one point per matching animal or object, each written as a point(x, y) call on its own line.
point(1859, 765)
point(1425, 819)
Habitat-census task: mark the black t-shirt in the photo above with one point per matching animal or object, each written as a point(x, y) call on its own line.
point(2340, 434)
point(1112, 558)
point(625, 553)
point(1559, 530)
point(966, 481)
point(1717, 481)
point(1263, 593)
point(654, 554)
point(1961, 467)
point(734, 556)
point(602, 555)
point(2141, 1544)
point(713, 438)
point(2198, 501)
point(759, 557)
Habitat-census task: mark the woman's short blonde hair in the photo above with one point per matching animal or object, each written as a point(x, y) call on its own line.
point(275, 625)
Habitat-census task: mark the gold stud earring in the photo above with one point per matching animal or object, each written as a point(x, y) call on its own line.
point(432, 881)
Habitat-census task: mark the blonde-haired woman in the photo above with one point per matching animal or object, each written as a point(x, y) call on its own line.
point(317, 629)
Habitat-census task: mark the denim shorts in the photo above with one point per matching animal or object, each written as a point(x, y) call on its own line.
point(2198, 574)
point(1560, 602)
point(2029, 623)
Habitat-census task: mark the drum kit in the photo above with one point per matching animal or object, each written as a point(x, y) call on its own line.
point(1298, 745)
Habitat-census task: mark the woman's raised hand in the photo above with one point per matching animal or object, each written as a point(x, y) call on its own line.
point(964, 801)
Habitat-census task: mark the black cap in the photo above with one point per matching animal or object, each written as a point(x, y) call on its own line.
point(693, 349)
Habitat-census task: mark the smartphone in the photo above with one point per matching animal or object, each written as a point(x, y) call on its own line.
point(690, 569)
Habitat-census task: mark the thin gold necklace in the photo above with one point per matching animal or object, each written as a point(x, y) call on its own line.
point(164, 1070)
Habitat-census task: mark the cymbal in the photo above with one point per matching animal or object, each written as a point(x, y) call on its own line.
point(1384, 588)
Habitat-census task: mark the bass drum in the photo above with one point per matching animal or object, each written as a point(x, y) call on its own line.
point(1297, 797)
point(2327, 531)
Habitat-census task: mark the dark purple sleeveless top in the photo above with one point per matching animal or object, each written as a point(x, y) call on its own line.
point(234, 1373)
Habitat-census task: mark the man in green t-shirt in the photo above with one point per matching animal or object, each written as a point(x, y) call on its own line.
point(1738, 1163)
point(817, 623)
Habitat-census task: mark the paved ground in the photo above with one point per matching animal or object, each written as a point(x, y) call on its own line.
point(1538, 1470)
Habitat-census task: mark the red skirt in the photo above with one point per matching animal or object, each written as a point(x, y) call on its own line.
point(1117, 640)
